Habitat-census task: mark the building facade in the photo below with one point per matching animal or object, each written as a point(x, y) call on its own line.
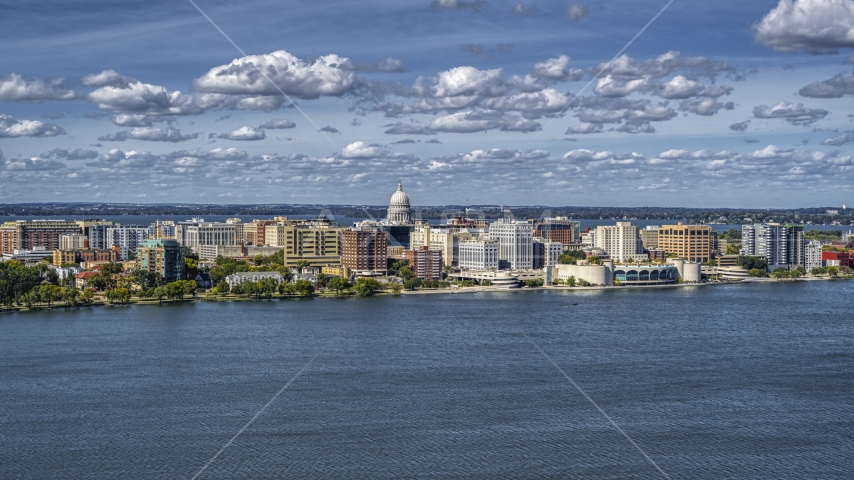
point(620, 241)
point(546, 252)
point(649, 237)
point(126, 238)
point(426, 264)
point(364, 249)
point(28, 234)
point(812, 255)
point(480, 255)
point(210, 234)
point(237, 278)
point(399, 210)
point(515, 243)
point(781, 245)
point(316, 242)
point(692, 242)
point(557, 229)
point(73, 242)
point(163, 256)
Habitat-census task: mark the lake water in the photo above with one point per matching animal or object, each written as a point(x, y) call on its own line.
point(736, 381)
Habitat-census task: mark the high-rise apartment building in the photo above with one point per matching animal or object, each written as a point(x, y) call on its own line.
point(691, 242)
point(165, 257)
point(546, 252)
point(812, 255)
point(781, 245)
point(127, 238)
point(440, 237)
point(28, 234)
point(317, 242)
point(364, 249)
point(620, 241)
point(74, 241)
point(426, 264)
point(515, 243)
point(649, 236)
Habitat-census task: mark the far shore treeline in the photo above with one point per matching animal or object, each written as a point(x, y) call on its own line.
point(813, 215)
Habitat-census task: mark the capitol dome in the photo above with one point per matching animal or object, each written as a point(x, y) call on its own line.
point(399, 210)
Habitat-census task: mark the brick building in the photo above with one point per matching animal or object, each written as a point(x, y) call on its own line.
point(364, 249)
point(426, 264)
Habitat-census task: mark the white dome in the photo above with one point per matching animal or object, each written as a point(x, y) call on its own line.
point(399, 211)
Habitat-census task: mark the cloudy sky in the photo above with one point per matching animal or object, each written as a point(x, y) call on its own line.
point(718, 104)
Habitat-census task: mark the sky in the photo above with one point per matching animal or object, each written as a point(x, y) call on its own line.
point(712, 104)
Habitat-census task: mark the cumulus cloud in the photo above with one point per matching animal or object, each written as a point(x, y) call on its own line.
point(64, 154)
point(278, 123)
point(610, 87)
point(814, 26)
point(151, 134)
point(474, 5)
point(146, 99)
point(584, 129)
point(15, 88)
point(740, 126)
point(137, 120)
point(680, 87)
point(576, 11)
point(34, 164)
point(835, 87)
point(839, 141)
point(794, 113)
point(106, 78)
point(468, 81)
point(363, 150)
point(242, 133)
point(408, 129)
point(11, 127)
point(481, 121)
point(329, 129)
point(704, 106)
point(636, 127)
point(628, 68)
point(387, 65)
point(323, 76)
point(545, 102)
point(556, 69)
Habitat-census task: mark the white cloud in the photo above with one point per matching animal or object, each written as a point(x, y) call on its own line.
point(322, 76)
point(521, 10)
point(739, 127)
point(481, 121)
point(151, 134)
point(546, 102)
point(610, 87)
point(243, 133)
point(704, 106)
point(576, 11)
point(362, 150)
point(839, 141)
point(278, 123)
point(106, 78)
point(584, 128)
point(136, 120)
point(475, 5)
point(815, 26)
point(680, 87)
point(794, 113)
point(15, 88)
point(556, 69)
point(835, 87)
point(468, 81)
point(11, 127)
point(408, 129)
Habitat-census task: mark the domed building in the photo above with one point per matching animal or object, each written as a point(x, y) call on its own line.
point(399, 210)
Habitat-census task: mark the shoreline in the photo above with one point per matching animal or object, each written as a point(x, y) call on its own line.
point(467, 290)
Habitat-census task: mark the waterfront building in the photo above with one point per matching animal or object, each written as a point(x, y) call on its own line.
point(546, 252)
point(399, 210)
point(620, 241)
point(689, 272)
point(515, 243)
point(426, 264)
point(364, 249)
point(237, 278)
point(127, 238)
point(649, 237)
point(163, 256)
point(209, 234)
point(65, 257)
point(317, 242)
point(692, 242)
point(29, 234)
point(477, 254)
point(781, 245)
point(442, 238)
point(74, 241)
point(557, 229)
point(837, 259)
point(245, 252)
point(812, 255)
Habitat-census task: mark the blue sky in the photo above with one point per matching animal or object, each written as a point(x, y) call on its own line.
point(733, 104)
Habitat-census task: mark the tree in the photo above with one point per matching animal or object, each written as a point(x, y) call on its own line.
point(570, 281)
point(48, 293)
point(781, 273)
point(594, 260)
point(321, 279)
point(732, 249)
point(287, 288)
point(160, 293)
point(571, 257)
point(87, 297)
point(267, 287)
point(818, 271)
point(301, 264)
point(750, 263)
point(396, 288)
point(796, 273)
point(111, 268)
point(366, 287)
point(338, 284)
point(832, 271)
point(486, 282)
point(406, 273)
point(304, 288)
point(222, 288)
point(69, 296)
point(755, 272)
point(395, 267)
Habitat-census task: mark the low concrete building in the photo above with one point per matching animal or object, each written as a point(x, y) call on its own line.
point(600, 275)
point(689, 272)
point(237, 278)
point(626, 274)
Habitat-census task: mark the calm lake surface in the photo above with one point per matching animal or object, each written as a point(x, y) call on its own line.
point(738, 381)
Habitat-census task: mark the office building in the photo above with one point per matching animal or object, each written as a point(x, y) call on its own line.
point(691, 242)
point(209, 234)
point(478, 255)
point(546, 252)
point(162, 256)
point(515, 243)
point(317, 242)
point(557, 229)
point(649, 236)
point(440, 237)
point(426, 264)
point(364, 250)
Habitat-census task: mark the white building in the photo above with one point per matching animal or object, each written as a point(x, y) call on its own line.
point(812, 255)
point(209, 234)
point(74, 241)
point(399, 210)
point(620, 241)
point(237, 278)
point(98, 236)
point(478, 255)
point(515, 243)
point(126, 238)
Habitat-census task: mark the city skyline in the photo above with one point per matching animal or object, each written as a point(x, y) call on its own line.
point(459, 99)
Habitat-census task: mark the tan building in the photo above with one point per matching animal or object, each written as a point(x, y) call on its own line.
point(364, 249)
point(649, 237)
point(73, 242)
point(426, 264)
point(26, 234)
point(395, 252)
point(316, 242)
point(335, 271)
point(63, 257)
point(446, 240)
point(691, 242)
